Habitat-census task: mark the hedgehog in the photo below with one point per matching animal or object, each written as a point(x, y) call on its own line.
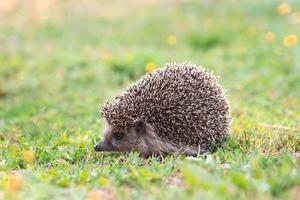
point(178, 109)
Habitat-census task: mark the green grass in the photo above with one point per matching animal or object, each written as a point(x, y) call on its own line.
point(59, 64)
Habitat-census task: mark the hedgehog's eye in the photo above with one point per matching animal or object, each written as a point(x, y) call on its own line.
point(118, 135)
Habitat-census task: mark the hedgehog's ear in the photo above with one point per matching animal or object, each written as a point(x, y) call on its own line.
point(142, 127)
point(139, 126)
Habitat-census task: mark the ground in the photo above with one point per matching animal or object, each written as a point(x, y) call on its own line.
point(60, 60)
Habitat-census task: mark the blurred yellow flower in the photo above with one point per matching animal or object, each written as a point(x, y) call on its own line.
point(105, 54)
point(236, 129)
point(15, 182)
point(150, 67)
point(270, 36)
point(94, 195)
point(171, 40)
point(290, 40)
point(13, 150)
point(28, 156)
point(103, 181)
point(284, 9)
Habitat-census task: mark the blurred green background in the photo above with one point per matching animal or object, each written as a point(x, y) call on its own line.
point(61, 59)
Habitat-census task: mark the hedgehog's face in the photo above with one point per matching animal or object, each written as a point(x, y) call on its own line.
point(116, 139)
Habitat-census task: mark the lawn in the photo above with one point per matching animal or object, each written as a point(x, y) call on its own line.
point(60, 60)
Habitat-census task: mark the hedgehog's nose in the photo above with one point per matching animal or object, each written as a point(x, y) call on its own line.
point(102, 146)
point(97, 147)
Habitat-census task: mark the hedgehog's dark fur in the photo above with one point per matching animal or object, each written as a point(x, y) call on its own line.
point(178, 109)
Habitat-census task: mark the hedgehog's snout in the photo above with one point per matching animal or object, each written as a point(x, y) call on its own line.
point(102, 146)
point(97, 147)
